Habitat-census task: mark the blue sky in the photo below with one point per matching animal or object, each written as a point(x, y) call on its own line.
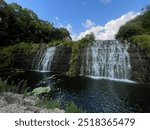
point(84, 16)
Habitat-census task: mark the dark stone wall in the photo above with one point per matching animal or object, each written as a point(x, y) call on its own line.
point(140, 63)
point(61, 59)
point(60, 63)
point(21, 60)
point(81, 62)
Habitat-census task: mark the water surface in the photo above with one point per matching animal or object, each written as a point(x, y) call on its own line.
point(93, 95)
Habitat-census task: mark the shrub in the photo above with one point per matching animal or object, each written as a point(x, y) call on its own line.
point(129, 30)
point(11, 87)
point(49, 104)
point(143, 41)
point(72, 108)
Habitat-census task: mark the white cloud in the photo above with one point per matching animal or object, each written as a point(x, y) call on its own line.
point(108, 31)
point(68, 27)
point(57, 18)
point(105, 1)
point(88, 24)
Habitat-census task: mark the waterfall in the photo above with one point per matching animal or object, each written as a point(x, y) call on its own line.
point(43, 60)
point(108, 59)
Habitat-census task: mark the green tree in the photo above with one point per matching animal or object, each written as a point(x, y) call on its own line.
point(137, 30)
point(19, 24)
point(88, 38)
point(129, 30)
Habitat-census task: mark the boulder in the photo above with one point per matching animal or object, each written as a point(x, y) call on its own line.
point(18, 103)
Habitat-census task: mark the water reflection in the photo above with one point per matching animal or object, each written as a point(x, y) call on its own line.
point(94, 95)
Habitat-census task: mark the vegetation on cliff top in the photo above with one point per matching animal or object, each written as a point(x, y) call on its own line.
point(21, 31)
point(137, 30)
point(76, 49)
point(18, 24)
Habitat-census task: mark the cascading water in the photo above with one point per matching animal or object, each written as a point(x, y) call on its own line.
point(108, 59)
point(44, 59)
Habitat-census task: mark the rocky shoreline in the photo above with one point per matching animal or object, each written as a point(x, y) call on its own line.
point(19, 103)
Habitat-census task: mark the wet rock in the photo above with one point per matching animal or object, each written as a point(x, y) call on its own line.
point(61, 59)
point(60, 62)
point(140, 63)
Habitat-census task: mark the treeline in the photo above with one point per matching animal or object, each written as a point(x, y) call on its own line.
point(19, 24)
point(137, 30)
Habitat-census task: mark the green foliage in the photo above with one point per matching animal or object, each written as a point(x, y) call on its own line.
point(6, 87)
point(19, 24)
point(49, 104)
point(69, 107)
point(87, 39)
point(137, 26)
point(74, 59)
point(62, 43)
point(129, 30)
point(39, 90)
point(145, 20)
point(6, 53)
point(76, 49)
point(137, 30)
point(72, 108)
point(143, 41)
point(3, 85)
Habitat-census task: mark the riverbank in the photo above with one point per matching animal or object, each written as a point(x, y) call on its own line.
point(19, 103)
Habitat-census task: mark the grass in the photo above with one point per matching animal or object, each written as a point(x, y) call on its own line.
point(76, 49)
point(6, 53)
point(4, 86)
point(143, 41)
point(11, 87)
point(49, 104)
point(70, 107)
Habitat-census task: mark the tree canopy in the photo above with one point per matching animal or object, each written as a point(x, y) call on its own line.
point(138, 26)
point(137, 30)
point(18, 24)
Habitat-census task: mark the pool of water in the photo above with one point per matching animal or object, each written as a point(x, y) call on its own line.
point(93, 95)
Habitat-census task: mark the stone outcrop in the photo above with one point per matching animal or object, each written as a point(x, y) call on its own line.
point(60, 62)
point(82, 54)
point(20, 60)
point(18, 103)
point(140, 63)
point(61, 59)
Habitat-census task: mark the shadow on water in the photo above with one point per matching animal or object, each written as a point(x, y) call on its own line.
point(93, 95)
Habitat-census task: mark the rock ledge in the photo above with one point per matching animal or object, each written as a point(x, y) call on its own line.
point(18, 103)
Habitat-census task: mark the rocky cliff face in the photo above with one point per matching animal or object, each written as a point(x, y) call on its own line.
point(140, 63)
point(61, 59)
point(60, 62)
point(82, 54)
point(20, 60)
